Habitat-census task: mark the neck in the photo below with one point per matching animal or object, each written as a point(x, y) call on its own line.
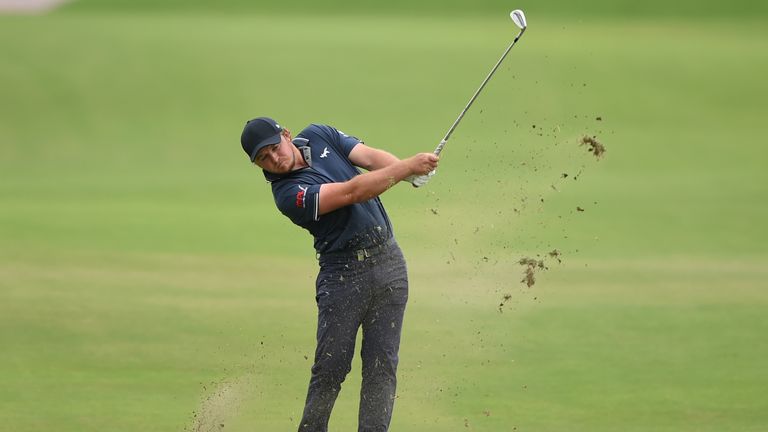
point(298, 160)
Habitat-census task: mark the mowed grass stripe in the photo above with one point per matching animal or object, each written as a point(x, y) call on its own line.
point(540, 356)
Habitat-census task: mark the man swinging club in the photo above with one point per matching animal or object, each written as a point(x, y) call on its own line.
point(362, 280)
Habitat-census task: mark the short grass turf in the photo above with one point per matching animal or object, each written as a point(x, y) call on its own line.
point(147, 282)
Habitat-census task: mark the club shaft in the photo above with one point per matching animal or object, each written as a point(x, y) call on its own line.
point(474, 96)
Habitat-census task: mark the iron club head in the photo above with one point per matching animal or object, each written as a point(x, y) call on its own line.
point(518, 17)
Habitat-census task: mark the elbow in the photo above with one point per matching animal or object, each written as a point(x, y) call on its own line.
point(358, 190)
point(350, 194)
point(367, 165)
point(357, 196)
point(358, 193)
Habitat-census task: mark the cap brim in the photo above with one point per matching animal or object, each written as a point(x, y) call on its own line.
point(274, 139)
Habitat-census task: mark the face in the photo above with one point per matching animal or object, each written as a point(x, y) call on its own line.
point(278, 158)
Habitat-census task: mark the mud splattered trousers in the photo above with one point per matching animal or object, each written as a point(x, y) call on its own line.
point(368, 289)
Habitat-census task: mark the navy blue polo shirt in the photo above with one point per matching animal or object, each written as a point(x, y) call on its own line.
point(297, 195)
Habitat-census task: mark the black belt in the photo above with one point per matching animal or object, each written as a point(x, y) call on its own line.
point(359, 254)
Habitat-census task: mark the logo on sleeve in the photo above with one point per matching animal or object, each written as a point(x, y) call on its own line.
point(301, 196)
point(325, 153)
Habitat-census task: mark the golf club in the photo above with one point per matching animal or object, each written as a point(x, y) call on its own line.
point(518, 17)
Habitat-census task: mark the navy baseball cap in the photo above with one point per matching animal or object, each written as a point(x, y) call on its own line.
point(259, 133)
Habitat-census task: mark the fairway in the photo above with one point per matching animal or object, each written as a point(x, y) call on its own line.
point(148, 283)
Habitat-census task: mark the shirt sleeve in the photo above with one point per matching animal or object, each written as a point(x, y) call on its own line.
point(347, 142)
point(343, 142)
point(300, 202)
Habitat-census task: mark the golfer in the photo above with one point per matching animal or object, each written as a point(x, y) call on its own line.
point(362, 280)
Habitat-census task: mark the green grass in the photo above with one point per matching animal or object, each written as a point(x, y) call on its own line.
point(602, 8)
point(143, 267)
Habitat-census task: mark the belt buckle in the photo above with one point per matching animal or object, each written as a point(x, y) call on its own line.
point(362, 254)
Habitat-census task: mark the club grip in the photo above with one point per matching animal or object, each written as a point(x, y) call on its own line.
point(440, 147)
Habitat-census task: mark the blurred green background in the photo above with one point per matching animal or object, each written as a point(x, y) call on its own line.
point(148, 283)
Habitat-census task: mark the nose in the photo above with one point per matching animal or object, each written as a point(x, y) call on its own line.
point(273, 156)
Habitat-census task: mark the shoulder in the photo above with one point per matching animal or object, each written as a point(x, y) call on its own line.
point(322, 134)
point(318, 131)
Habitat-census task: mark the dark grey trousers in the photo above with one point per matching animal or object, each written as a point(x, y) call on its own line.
point(351, 293)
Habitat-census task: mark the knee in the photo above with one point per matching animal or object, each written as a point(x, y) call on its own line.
point(330, 372)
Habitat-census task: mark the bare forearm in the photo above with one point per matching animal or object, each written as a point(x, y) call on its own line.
point(371, 158)
point(383, 159)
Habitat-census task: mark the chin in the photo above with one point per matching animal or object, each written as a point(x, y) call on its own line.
point(282, 169)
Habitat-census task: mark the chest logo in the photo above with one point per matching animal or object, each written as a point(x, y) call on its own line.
point(325, 153)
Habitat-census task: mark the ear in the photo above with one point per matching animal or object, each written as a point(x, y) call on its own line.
point(287, 134)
